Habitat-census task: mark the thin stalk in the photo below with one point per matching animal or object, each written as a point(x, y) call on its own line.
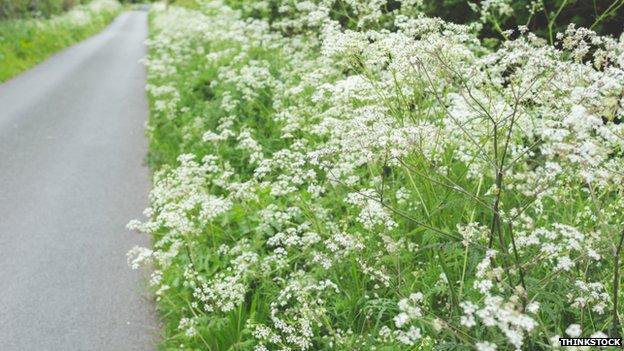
point(616, 286)
point(449, 281)
point(517, 259)
point(551, 21)
point(610, 10)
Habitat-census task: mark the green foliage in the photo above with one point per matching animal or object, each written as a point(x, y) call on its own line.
point(189, 4)
point(26, 42)
point(37, 8)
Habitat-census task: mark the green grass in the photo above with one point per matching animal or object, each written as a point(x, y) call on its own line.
point(26, 42)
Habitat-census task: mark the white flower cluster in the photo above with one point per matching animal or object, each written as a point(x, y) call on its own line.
point(410, 312)
point(504, 315)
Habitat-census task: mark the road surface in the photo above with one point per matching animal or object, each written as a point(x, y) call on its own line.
point(71, 176)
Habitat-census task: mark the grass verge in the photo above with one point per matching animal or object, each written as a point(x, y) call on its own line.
point(27, 42)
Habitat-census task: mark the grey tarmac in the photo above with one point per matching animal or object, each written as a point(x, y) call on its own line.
point(72, 174)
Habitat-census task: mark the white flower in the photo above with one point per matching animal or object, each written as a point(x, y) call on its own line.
point(599, 335)
point(533, 307)
point(573, 330)
point(485, 346)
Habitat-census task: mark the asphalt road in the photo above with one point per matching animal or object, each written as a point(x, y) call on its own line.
point(72, 174)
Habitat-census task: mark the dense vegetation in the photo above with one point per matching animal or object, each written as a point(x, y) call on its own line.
point(35, 8)
point(356, 175)
point(26, 42)
point(544, 18)
point(13, 9)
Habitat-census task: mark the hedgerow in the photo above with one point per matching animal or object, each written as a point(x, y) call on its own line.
point(29, 8)
point(331, 176)
point(26, 42)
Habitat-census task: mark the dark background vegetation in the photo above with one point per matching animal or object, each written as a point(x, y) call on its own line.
point(583, 13)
